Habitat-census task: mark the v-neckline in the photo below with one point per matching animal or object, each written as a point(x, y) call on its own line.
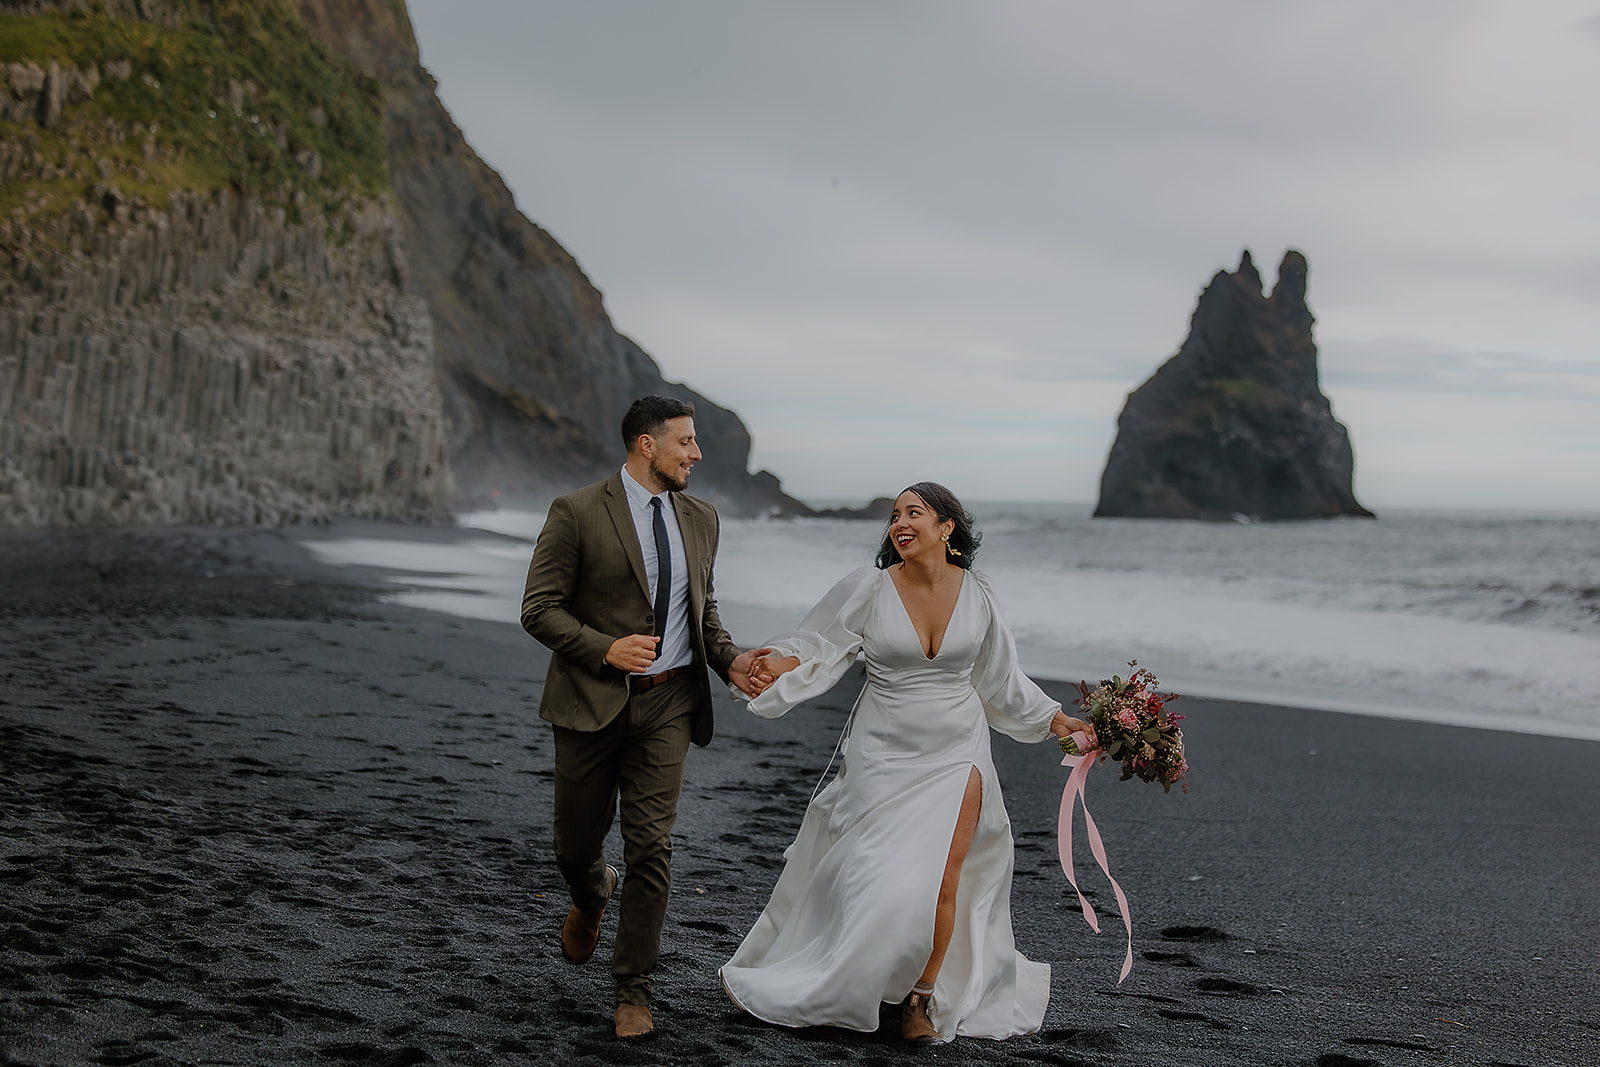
point(912, 622)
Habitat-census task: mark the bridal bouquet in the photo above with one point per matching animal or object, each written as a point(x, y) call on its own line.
point(1133, 727)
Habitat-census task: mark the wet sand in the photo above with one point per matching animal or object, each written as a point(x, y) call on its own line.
point(250, 814)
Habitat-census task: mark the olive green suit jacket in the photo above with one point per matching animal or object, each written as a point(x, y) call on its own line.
point(587, 587)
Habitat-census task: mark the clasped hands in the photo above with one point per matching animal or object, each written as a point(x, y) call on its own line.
point(753, 671)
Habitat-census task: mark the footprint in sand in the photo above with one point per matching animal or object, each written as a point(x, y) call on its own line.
point(1339, 1059)
point(1193, 1016)
point(1226, 987)
point(1192, 933)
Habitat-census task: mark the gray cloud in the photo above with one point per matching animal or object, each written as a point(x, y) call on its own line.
point(1402, 366)
point(980, 214)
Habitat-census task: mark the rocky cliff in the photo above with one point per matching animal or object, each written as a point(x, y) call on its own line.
point(535, 378)
point(1235, 424)
point(253, 273)
point(172, 348)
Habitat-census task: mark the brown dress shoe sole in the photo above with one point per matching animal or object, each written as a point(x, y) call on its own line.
point(632, 1022)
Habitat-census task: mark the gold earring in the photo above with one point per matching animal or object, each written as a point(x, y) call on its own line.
point(948, 548)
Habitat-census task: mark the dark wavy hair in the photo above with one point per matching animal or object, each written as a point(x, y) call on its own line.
point(964, 539)
point(649, 414)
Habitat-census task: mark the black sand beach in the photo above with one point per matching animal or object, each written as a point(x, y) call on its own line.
point(251, 815)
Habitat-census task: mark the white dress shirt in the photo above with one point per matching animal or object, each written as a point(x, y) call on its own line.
point(675, 649)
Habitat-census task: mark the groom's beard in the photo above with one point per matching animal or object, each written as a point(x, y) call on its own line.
point(673, 479)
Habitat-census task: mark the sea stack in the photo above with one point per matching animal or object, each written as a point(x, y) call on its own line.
point(1235, 424)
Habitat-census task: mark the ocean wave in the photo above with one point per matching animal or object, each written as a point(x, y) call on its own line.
point(1487, 621)
point(1495, 618)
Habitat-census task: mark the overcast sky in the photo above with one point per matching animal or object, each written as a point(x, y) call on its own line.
point(944, 240)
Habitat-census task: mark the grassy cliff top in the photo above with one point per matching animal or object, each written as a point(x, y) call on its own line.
point(235, 94)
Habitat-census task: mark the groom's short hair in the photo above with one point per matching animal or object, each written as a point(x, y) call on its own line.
point(649, 414)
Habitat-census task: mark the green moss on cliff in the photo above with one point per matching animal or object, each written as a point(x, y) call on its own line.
point(239, 94)
point(1242, 389)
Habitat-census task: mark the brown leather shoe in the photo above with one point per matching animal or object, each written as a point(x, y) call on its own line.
point(915, 1026)
point(633, 1020)
point(581, 932)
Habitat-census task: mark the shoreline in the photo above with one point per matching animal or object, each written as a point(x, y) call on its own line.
point(239, 829)
point(458, 595)
point(763, 623)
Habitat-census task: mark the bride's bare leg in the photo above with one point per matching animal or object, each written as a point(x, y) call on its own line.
point(944, 918)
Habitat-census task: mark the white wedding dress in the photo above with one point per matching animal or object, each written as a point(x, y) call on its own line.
point(850, 922)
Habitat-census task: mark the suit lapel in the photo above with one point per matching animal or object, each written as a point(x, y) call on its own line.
point(627, 533)
point(693, 553)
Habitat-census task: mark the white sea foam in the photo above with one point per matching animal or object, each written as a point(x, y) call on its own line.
point(1476, 619)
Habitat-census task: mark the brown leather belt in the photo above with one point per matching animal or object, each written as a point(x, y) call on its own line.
point(640, 682)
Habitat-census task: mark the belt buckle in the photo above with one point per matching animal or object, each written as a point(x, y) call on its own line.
point(650, 681)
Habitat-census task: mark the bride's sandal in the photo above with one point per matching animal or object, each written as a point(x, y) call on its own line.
point(915, 1026)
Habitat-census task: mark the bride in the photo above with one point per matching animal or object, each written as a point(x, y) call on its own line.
point(898, 885)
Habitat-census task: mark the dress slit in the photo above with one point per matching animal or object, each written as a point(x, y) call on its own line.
point(973, 771)
point(977, 821)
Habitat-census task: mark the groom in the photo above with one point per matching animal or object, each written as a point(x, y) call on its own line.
point(620, 590)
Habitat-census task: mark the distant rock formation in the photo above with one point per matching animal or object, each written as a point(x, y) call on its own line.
point(283, 287)
point(1235, 424)
point(876, 509)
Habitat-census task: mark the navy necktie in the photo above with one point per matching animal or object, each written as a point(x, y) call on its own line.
point(663, 570)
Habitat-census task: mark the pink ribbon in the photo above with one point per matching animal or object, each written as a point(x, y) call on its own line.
point(1070, 796)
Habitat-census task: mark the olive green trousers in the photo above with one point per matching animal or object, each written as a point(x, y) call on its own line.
point(636, 759)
